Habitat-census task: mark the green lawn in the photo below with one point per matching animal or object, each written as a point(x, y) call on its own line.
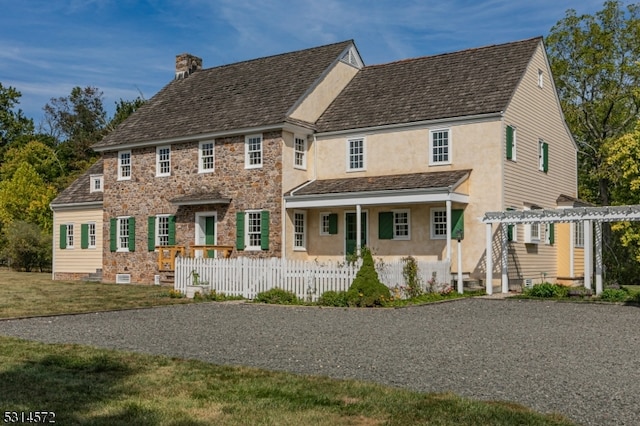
point(89, 386)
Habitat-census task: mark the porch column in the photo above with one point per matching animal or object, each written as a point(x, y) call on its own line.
point(358, 229)
point(598, 226)
point(588, 249)
point(505, 258)
point(489, 260)
point(449, 230)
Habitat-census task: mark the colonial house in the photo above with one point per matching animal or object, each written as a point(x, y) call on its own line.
point(311, 155)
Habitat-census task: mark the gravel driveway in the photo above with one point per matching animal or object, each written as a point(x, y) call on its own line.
point(581, 360)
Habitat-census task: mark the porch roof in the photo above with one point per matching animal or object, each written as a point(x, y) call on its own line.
point(391, 189)
point(200, 198)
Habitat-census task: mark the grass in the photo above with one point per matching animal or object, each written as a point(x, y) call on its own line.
point(90, 386)
point(34, 293)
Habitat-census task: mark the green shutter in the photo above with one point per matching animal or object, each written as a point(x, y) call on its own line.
point(457, 223)
point(333, 223)
point(509, 232)
point(545, 157)
point(172, 230)
point(151, 233)
point(84, 236)
point(132, 234)
point(509, 142)
point(552, 234)
point(264, 230)
point(385, 225)
point(63, 236)
point(240, 231)
point(113, 234)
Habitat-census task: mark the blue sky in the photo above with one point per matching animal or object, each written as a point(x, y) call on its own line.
point(128, 47)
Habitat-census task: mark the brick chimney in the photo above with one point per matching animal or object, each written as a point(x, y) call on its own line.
point(187, 64)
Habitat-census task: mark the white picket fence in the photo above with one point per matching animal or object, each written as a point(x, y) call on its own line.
point(246, 277)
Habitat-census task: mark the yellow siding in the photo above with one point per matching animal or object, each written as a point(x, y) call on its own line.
point(536, 114)
point(77, 260)
point(324, 93)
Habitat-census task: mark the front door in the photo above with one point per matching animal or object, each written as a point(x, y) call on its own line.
point(206, 232)
point(350, 230)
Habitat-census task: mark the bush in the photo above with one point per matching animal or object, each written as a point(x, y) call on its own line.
point(614, 295)
point(277, 296)
point(333, 298)
point(547, 290)
point(366, 289)
point(412, 280)
point(26, 246)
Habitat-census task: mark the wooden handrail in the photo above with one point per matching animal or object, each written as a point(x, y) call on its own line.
point(167, 254)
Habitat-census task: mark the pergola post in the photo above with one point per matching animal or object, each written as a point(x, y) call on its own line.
point(489, 260)
point(588, 253)
point(448, 204)
point(505, 258)
point(598, 226)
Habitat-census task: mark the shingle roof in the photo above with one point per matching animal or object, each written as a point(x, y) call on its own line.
point(241, 95)
point(469, 82)
point(427, 180)
point(79, 191)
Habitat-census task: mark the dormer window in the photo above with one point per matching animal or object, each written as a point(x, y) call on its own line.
point(97, 183)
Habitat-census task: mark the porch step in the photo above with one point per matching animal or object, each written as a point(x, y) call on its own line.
point(94, 277)
point(167, 277)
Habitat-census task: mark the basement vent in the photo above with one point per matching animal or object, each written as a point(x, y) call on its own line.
point(156, 279)
point(528, 282)
point(123, 278)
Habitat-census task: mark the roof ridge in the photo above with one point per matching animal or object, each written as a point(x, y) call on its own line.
point(217, 67)
point(455, 52)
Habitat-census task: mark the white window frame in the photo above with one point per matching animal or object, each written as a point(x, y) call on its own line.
point(124, 165)
point(299, 155)
point(162, 218)
point(578, 234)
point(163, 165)
point(299, 230)
point(324, 224)
point(209, 156)
point(540, 78)
point(354, 156)
point(120, 221)
point(248, 141)
point(437, 211)
point(433, 156)
point(97, 183)
point(70, 237)
point(397, 225)
point(249, 231)
point(91, 235)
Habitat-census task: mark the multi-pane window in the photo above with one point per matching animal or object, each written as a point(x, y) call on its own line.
point(123, 233)
point(70, 235)
point(438, 223)
point(207, 156)
point(535, 232)
point(578, 234)
point(162, 230)
point(355, 154)
point(401, 225)
point(299, 152)
point(254, 228)
point(96, 183)
point(253, 151)
point(324, 223)
point(299, 227)
point(440, 145)
point(163, 161)
point(91, 228)
point(124, 165)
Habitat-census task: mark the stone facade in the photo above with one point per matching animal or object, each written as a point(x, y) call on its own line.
point(146, 194)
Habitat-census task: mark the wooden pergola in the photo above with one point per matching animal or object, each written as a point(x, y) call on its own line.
point(591, 218)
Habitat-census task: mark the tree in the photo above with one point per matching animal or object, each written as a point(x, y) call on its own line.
point(594, 60)
point(12, 123)
point(43, 159)
point(26, 246)
point(26, 197)
point(123, 110)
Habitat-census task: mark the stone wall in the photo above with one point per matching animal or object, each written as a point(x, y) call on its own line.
point(147, 195)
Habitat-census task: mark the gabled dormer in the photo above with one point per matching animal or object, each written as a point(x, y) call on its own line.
point(96, 183)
